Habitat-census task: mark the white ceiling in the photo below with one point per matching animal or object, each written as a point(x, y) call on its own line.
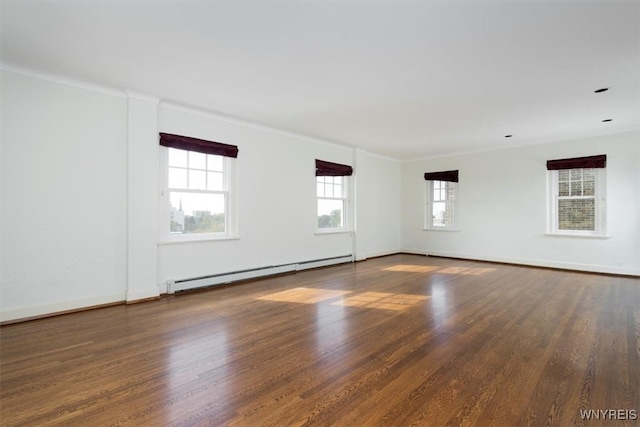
point(404, 79)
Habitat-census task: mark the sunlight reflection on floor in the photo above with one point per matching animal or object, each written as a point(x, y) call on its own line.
point(304, 295)
point(466, 270)
point(384, 300)
point(412, 268)
point(409, 268)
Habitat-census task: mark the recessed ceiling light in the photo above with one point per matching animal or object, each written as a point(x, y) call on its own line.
point(607, 120)
point(508, 136)
point(604, 89)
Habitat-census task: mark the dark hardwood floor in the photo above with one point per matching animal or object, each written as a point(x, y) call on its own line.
point(401, 340)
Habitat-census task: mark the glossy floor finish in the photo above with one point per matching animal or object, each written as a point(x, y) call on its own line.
point(400, 340)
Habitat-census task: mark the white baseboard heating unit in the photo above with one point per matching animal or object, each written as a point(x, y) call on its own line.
point(174, 286)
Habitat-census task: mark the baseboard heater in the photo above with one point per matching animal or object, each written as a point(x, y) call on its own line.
point(174, 286)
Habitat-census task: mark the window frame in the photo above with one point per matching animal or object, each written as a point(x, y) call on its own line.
point(228, 191)
point(599, 197)
point(429, 202)
point(346, 223)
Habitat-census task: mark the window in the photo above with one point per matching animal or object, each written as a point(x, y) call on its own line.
point(332, 202)
point(442, 200)
point(332, 180)
point(577, 199)
point(442, 204)
point(197, 193)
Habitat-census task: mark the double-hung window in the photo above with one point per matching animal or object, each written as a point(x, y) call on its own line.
point(441, 211)
point(332, 185)
point(198, 188)
point(577, 199)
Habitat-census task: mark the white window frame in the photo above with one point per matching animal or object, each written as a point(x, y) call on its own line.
point(429, 201)
point(346, 223)
point(229, 186)
point(599, 201)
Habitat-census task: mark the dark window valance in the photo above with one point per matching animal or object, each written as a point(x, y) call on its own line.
point(332, 169)
point(578, 163)
point(199, 145)
point(451, 176)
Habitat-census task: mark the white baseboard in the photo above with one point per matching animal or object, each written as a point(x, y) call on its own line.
point(60, 307)
point(138, 295)
point(591, 268)
point(378, 254)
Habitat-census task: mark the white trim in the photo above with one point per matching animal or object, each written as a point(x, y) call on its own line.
point(579, 235)
point(196, 238)
point(26, 312)
point(138, 295)
point(379, 156)
point(142, 96)
point(320, 232)
point(592, 268)
point(250, 124)
point(54, 78)
point(512, 146)
point(379, 254)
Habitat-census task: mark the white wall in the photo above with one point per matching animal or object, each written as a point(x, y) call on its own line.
point(378, 219)
point(503, 202)
point(80, 198)
point(275, 195)
point(63, 197)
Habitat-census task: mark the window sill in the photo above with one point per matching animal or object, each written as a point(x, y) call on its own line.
point(582, 236)
point(454, 230)
point(332, 231)
point(197, 240)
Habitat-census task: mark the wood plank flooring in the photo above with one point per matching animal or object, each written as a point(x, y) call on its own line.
point(403, 340)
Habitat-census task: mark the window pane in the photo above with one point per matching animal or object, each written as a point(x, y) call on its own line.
point(576, 188)
point(215, 181)
point(576, 214)
point(197, 160)
point(589, 188)
point(436, 190)
point(320, 189)
point(330, 213)
point(177, 157)
point(197, 180)
point(196, 213)
point(576, 174)
point(438, 214)
point(328, 190)
point(563, 175)
point(589, 175)
point(214, 163)
point(589, 182)
point(177, 178)
point(449, 213)
point(451, 191)
point(337, 190)
point(563, 189)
